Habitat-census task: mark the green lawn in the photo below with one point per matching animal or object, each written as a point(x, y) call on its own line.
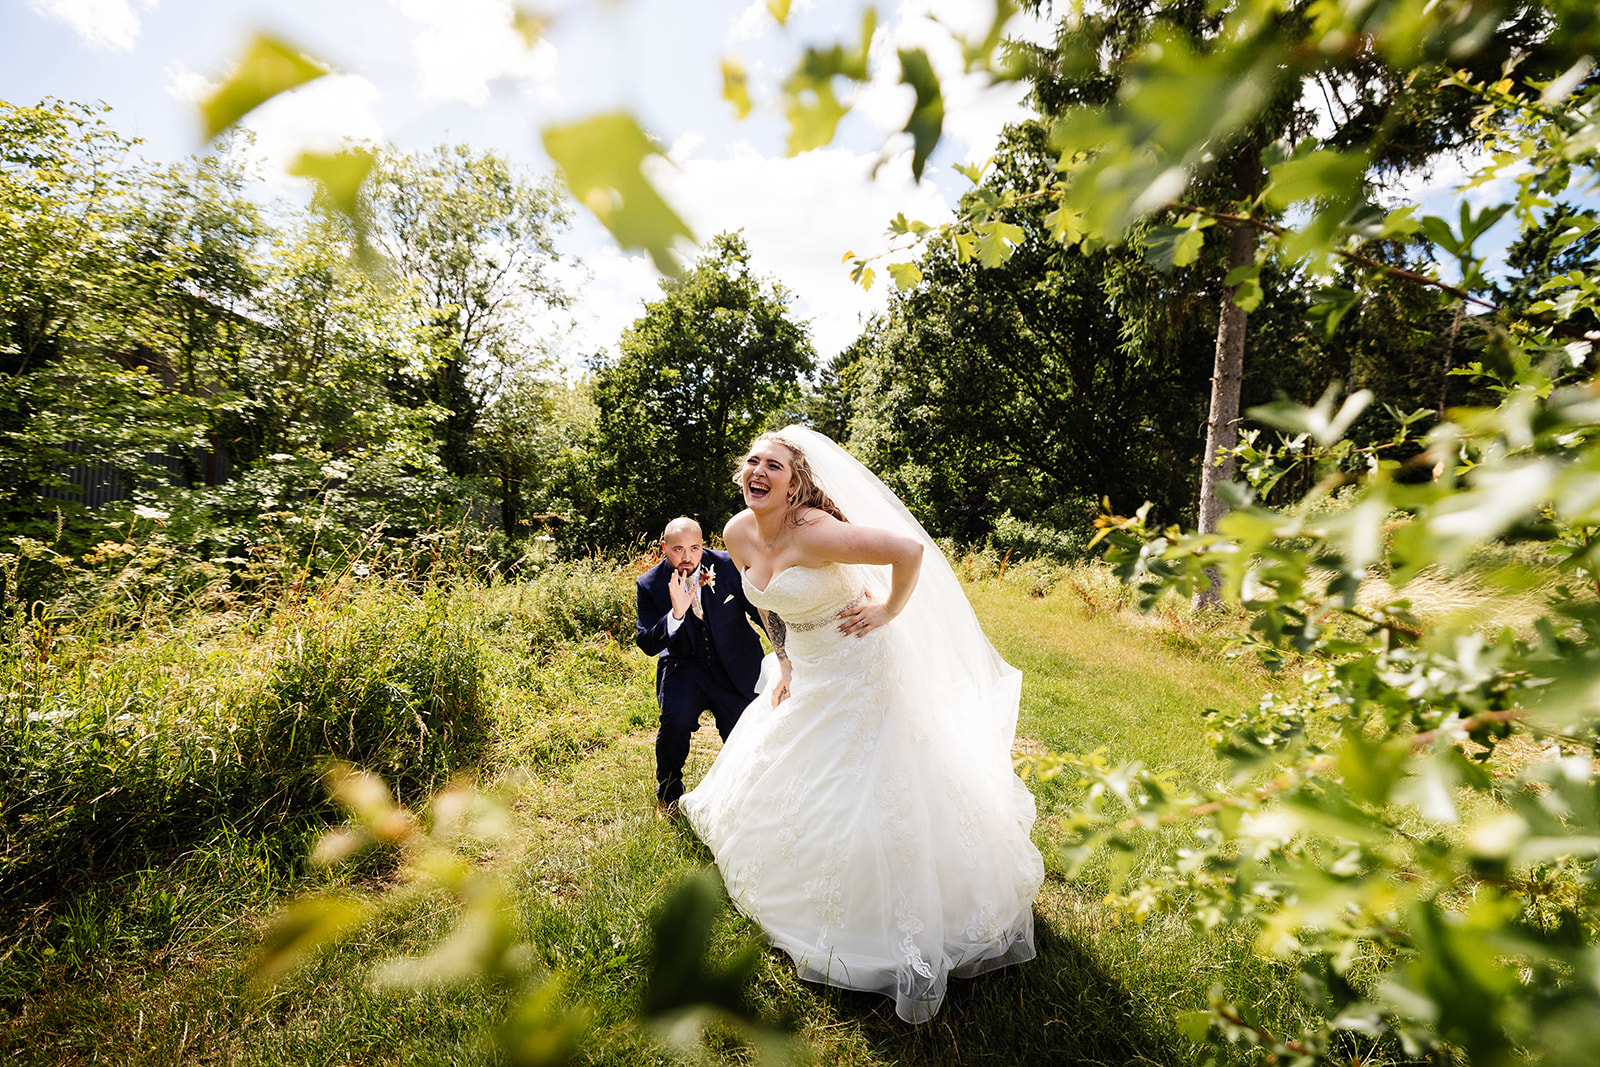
point(588, 861)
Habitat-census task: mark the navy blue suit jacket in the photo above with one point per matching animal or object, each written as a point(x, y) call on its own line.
point(733, 644)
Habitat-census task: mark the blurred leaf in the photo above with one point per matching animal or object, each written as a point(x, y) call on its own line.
point(1246, 284)
point(736, 87)
point(1332, 303)
point(1317, 174)
point(601, 159)
point(478, 946)
point(682, 972)
point(810, 103)
point(299, 930)
point(340, 176)
point(540, 1031)
point(927, 114)
point(269, 66)
point(529, 24)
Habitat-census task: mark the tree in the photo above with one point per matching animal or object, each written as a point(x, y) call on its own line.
point(1225, 170)
point(474, 240)
point(698, 375)
point(73, 389)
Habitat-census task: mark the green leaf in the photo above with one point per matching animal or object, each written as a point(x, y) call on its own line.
point(926, 121)
point(1167, 247)
point(905, 275)
point(966, 246)
point(1246, 284)
point(736, 87)
point(340, 175)
point(530, 24)
point(539, 1031)
point(302, 928)
point(1065, 224)
point(1322, 173)
point(1401, 222)
point(269, 66)
point(1194, 1025)
point(1439, 232)
point(601, 160)
point(811, 105)
point(683, 971)
point(813, 112)
point(997, 240)
point(972, 174)
point(1332, 303)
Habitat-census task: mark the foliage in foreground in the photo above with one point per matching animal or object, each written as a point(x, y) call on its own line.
point(1416, 823)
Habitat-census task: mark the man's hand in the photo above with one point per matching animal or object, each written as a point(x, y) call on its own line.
point(681, 588)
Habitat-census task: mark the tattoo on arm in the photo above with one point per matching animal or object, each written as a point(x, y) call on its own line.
point(776, 631)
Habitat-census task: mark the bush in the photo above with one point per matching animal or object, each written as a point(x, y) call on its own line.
point(1026, 540)
point(563, 601)
point(115, 754)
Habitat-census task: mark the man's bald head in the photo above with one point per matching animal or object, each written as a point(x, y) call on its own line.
point(681, 526)
point(682, 544)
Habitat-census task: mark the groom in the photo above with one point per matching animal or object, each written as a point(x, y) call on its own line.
point(692, 613)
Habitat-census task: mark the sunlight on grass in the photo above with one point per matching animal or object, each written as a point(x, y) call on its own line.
point(571, 722)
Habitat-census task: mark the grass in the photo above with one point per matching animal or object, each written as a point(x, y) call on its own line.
point(150, 967)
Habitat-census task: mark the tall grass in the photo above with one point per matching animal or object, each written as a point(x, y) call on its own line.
point(114, 754)
point(131, 759)
point(150, 964)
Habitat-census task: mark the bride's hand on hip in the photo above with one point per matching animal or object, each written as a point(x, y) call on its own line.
point(864, 618)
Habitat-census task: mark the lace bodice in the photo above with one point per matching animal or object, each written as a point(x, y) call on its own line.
point(806, 597)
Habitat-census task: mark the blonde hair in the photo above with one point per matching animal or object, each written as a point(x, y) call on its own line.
point(804, 490)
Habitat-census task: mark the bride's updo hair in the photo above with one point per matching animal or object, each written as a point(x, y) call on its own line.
point(804, 492)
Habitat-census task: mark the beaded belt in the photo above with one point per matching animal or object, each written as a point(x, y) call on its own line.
point(802, 627)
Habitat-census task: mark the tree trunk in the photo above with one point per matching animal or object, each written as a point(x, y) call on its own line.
point(1222, 426)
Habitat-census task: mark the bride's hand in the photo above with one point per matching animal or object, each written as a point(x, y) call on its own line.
point(864, 618)
point(780, 688)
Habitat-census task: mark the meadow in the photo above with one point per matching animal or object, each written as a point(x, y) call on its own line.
point(162, 796)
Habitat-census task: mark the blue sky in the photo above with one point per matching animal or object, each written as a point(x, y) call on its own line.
point(421, 72)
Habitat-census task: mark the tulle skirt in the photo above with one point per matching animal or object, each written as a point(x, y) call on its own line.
point(869, 840)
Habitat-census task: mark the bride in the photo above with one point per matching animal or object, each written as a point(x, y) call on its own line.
point(865, 812)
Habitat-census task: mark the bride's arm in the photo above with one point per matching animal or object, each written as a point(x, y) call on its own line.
point(829, 540)
point(778, 633)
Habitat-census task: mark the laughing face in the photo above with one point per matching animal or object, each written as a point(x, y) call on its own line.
point(767, 476)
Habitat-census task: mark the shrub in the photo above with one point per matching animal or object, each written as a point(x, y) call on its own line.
point(116, 753)
point(1026, 540)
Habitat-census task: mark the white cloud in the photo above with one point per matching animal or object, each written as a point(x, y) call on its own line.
point(320, 116)
point(607, 301)
point(109, 24)
point(752, 24)
point(799, 217)
point(976, 109)
point(464, 46)
point(187, 86)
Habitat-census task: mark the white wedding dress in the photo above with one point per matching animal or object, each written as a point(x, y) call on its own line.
point(872, 824)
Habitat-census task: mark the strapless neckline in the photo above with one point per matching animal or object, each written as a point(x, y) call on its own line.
point(773, 580)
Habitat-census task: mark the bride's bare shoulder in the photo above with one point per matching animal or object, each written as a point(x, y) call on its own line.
point(738, 532)
point(814, 526)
